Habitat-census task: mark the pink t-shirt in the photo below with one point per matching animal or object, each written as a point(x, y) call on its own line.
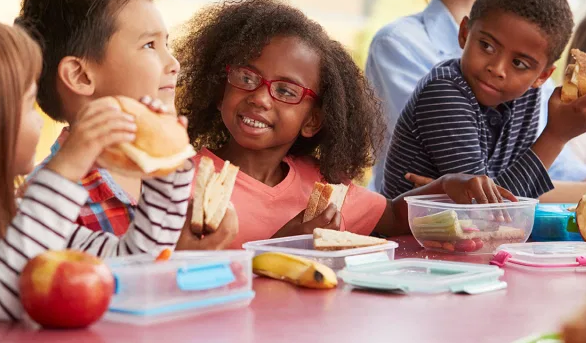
point(262, 210)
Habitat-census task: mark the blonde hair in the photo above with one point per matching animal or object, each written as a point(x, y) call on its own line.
point(20, 66)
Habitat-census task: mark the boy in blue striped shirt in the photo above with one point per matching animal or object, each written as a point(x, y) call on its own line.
point(479, 114)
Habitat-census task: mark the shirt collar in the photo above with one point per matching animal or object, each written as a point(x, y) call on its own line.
point(441, 27)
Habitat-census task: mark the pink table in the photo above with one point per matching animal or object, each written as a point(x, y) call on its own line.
point(533, 302)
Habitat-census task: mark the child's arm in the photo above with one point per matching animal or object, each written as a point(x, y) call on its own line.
point(459, 187)
point(160, 215)
point(45, 219)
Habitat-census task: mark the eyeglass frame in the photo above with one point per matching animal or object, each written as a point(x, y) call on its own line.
point(268, 83)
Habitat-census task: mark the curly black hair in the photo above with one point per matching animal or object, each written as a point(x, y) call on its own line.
point(235, 32)
point(80, 28)
point(553, 17)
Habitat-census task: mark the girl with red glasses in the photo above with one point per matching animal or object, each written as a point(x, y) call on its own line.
point(265, 87)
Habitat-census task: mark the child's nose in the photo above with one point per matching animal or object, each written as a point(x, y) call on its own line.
point(261, 97)
point(497, 68)
point(172, 66)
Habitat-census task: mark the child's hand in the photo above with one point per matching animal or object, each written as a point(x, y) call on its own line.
point(462, 188)
point(418, 180)
point(99, 126)
point(218, 240)
point(330, 219)
point(565, 120)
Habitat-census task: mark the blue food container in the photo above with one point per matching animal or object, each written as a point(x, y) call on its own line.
point(555, 222)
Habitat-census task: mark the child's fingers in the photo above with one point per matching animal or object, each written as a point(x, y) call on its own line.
point(335, 223)
point(505, 193)
point(477, 191)
point(418, 180)
point(325, 218)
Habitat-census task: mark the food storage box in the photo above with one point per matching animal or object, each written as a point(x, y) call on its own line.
point(414, 275)
point(190, 283)
point(437, 223)
point(555, 222)
point(542, 256)
point(302, 245)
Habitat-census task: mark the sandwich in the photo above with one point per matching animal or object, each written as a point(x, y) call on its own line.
point(322, 196)
point(575, 77)
point(330, 240)
point(161, 145)
point(211, 194)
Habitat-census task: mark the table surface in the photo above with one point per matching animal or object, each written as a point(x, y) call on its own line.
point(534, 302)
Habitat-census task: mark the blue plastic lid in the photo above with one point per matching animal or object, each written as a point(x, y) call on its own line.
point(555, 210)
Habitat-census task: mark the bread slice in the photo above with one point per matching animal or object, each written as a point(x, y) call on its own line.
point(223, 191)
point(574, 85)
point(328, 194)
point(330, 240)
point(205, 171)
point(212, 193)
point(313, 200)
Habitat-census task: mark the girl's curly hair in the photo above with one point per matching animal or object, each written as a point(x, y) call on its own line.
point(235, 32)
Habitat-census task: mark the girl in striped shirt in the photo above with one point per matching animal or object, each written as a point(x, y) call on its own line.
point(44, 218)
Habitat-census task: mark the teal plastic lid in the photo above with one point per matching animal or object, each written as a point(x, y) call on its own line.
point(414, 275)
point(555, 210)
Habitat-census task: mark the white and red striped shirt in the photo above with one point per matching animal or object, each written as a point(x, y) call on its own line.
point(46, 221)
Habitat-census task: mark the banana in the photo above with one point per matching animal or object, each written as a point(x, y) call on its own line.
point(294, 269)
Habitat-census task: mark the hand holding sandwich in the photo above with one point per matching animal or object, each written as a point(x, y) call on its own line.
point(330, 219)
point(207, 239)
point(99, 125)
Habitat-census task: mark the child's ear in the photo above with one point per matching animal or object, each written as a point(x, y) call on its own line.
point(545, 74)
point(76, 76)
point(313, 123)
point(463, 33)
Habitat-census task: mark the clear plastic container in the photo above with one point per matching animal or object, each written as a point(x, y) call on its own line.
point(414, 275)
point(303, 246)
point(555, 222)
point(439, 224)
point(190, 283)
point(543, 256)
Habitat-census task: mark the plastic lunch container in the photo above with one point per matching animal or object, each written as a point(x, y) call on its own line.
point(555, 222)
point(190, 283)
point(437, 223)
point(543, 256)
point(302, 245)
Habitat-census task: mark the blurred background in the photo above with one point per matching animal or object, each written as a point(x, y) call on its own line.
point(352, 22)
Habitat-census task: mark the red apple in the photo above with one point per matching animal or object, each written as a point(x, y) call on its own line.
point(66, 289)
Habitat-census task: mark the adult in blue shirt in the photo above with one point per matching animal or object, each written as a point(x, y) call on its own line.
point(404, 51)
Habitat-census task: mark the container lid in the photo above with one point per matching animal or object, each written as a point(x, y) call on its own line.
point(189, 280)
point(444, 201)
point(544, 256)
point(285, 245)
point(555, 210)
point(422, 276)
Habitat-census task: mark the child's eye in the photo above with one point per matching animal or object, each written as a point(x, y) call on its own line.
point(520, 64)
point(486, 47)
point(285, 91)
point(149, 45)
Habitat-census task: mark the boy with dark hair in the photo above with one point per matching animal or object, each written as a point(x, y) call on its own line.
point(479, 114)
point(97, 48)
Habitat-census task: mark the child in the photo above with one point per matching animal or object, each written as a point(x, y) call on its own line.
point(93, 49)
point(265, 88)
point(46, 214)
point(479, 115)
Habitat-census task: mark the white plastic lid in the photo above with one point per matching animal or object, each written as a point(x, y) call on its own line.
point(412, 275)
point(545, 256)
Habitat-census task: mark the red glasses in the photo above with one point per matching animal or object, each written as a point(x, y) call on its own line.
point(284, 91)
